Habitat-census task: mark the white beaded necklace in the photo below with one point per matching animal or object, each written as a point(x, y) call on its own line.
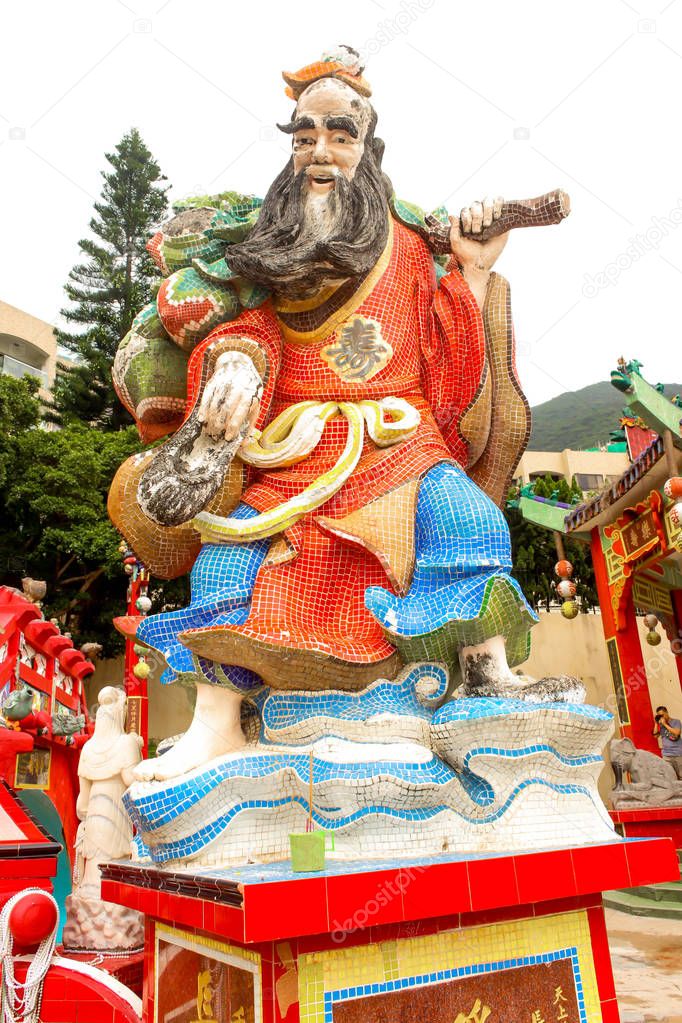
point(15, 1007)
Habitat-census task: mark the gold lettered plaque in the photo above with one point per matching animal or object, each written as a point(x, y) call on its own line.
point(199, 980)
point(618, 684)
point(529, 993)
point(134, 710)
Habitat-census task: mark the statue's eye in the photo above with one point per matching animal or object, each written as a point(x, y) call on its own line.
point(304, 141)
point(340, 138)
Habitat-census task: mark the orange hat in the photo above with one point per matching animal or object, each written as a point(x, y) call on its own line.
point(343, 63)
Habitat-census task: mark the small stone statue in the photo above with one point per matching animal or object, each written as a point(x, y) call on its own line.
point(91, 650)
point(653, 782)
point(18, 704)
point(105, 833)
point(67, 724)
point(34, 589)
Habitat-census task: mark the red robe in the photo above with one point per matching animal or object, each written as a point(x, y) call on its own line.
point(308, 598)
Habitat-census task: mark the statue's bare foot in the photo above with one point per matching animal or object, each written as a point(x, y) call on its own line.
point(486, 674)
point(215, 731)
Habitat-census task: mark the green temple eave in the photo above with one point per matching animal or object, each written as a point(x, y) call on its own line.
point(647, 473)
point(544, 513)
point(645, 400)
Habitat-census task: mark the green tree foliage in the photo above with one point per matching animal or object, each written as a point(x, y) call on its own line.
point(54, 523)
point(115, 280)
point(54, 483)
point(19, 412)
point(534, 551)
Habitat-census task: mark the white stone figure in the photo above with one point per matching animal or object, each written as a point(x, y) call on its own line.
point(105, 771)
point(105, 833)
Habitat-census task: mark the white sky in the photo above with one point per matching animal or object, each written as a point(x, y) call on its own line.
point(596, 84)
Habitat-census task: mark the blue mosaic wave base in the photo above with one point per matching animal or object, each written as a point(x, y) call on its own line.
point(446, 791)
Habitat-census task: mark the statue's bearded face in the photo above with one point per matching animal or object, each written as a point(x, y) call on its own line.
point(325, 217)
point(329, 134)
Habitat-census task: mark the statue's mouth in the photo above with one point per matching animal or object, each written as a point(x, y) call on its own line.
point(321, 179)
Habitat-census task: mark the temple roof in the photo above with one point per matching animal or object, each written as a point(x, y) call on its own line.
point(647, 472)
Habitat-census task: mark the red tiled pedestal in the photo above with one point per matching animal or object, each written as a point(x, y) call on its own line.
point(439, 939)
point(649, 822)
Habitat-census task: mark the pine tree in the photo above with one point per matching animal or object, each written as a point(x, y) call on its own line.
point(110, 286)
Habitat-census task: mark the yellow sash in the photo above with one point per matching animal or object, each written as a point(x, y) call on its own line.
point(289, 439)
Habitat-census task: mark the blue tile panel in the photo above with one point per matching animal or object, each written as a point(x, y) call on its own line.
point(280, 870)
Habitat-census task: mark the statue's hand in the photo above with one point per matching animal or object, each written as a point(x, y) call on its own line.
point(472, 254)
point(231, 397)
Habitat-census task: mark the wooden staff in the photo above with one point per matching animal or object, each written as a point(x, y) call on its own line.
point(550, 208)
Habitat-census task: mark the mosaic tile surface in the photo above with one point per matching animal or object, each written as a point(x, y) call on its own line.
point(336, 492)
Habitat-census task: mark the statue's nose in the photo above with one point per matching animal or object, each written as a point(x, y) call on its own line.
point(321, 153)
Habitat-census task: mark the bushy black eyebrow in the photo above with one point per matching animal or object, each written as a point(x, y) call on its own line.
point(299, 124)
point(342, 124)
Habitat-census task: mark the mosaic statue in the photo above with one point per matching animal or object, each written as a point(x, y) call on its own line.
point(335, 370)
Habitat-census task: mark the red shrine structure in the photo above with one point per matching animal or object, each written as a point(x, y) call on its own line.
point(46, 673)
point(634, 532)
point(45, 723)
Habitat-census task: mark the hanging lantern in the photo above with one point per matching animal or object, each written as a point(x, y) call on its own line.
point(143, 604)
point(566, 589)
point(564, 569)
point(673, 488)
point(141, 670)
point(653, 637)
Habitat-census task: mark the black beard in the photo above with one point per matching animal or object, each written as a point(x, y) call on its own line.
point(285, 257)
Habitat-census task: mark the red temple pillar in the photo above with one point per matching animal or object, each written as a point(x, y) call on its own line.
point(136, 671)
point(625, 656)
point(676, 645)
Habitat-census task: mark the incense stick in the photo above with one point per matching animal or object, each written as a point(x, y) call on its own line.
point(309, 825)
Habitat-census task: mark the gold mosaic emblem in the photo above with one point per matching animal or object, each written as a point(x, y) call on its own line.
point(359, 351)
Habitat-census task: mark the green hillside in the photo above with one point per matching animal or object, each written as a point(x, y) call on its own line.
point(580, 419)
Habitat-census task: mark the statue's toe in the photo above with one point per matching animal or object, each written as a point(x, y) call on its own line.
point(145, 770)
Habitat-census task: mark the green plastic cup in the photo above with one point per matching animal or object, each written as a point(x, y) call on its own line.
point(308, 850)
